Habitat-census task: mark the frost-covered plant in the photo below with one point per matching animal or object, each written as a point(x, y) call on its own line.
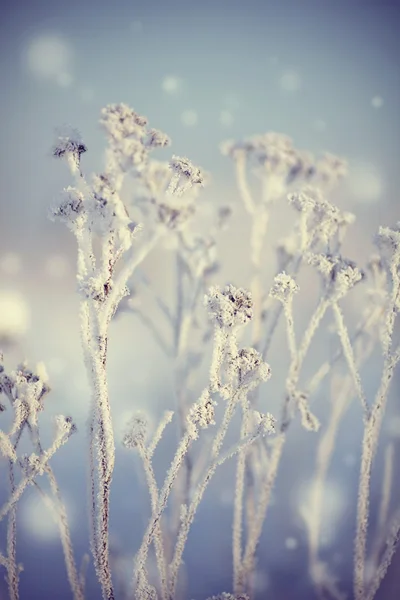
point(317, 239)
point(96, 212)
point(111, 247)
point(26, 391)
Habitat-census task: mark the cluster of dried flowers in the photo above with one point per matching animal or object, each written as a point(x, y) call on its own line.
point(111, 247)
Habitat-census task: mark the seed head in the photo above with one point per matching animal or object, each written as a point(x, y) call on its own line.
point(231, 307)
point(69, 145)
point(137, 431)
point(202, 413)
point(284, 288)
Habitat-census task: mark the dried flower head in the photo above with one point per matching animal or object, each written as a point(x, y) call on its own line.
point(264, 423)
point(201, 414)
point(69, 145)
point(284, 288)
point(65, 427)
point(321, 220)
point(185, 176)
point(275, 152)
point(250, 367)
point(28, 386)
point(306, 199)
point(286, 250)
point(278, 162)
point(157, 139)
point(330, 169)
point(120, 121)
point(389, 236)
point(340, 275)
point(70, 209)
point(231, 307)
point(137, 431)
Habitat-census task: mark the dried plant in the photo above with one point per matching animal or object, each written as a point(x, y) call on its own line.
point(111, 247)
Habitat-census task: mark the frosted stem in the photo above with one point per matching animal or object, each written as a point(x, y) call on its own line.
point(141, 557)
point(370, 441)
point(349, 355)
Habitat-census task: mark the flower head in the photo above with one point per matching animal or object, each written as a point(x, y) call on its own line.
point(14, 317)
point(265, 423)
point(330, 169)
point(339, 274)
point(120, 121)
point(321, 220)
point(389, 240)
point(157, 139)
point(284, 288)
point(26, 389)
point(65, 427)
point(250, 367)
point(137, 431)
point(201, 414)
point(231, 307)
point(69, 145)
point(70, 209)
point(185, 175)
point(390, 236)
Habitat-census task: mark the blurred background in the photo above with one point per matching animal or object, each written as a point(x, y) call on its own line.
point(326, 73)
